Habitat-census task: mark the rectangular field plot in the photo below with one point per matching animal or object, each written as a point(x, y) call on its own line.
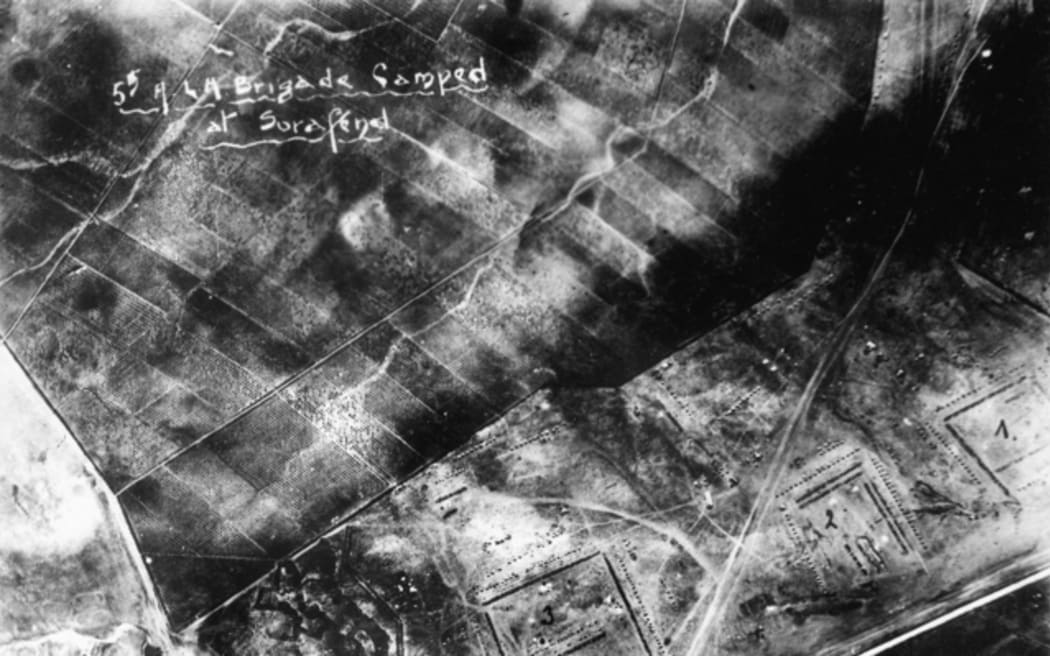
point(844, 513)
point(1006, 431)
point(578, 609)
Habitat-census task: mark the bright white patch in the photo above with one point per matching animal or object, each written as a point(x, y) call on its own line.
point(365, 223)
point(47, 498)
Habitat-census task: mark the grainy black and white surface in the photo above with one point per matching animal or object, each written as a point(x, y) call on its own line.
point(546, 327)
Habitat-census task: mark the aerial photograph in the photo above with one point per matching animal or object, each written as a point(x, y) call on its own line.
point(525, 327)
